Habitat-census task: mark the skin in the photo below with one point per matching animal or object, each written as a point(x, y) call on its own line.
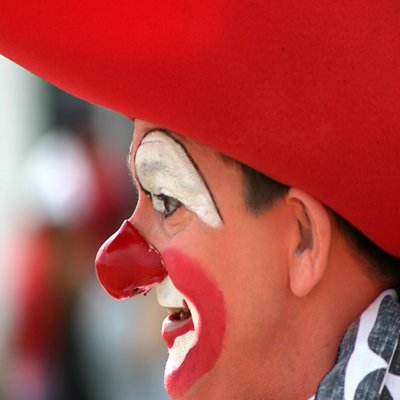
point(280, 273)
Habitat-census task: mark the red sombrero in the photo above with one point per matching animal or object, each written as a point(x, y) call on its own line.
point(307, 92)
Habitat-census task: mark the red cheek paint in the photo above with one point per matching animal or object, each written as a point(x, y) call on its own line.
point(127, 265)
point(191, 279)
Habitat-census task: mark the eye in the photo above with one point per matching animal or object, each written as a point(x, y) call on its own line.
point(166, 205)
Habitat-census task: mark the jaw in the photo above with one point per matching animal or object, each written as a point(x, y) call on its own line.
point(194, 350)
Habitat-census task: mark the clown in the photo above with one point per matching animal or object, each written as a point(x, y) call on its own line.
point(228, 263)
point(265, 156)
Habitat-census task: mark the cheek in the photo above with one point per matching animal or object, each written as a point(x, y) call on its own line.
point(252, 276)
point(191, 279)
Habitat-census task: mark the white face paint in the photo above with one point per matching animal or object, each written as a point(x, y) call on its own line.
point(165, 170)
point(178, 351)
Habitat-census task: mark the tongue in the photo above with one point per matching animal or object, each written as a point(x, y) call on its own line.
point(172, 328)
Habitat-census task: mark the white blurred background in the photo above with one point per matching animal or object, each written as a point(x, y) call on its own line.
point(64, 188)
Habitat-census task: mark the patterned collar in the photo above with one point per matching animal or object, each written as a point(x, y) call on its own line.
point(368, 363)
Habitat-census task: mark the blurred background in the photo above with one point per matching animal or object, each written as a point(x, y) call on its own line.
point(64, 188)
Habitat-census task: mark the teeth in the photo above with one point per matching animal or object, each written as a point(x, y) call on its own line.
point(179, 314)
point(184, 314)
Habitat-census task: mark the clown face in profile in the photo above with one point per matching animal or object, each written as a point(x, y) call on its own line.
point(266, 159)
point(246, 267)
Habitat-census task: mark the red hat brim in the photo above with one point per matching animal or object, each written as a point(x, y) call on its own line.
point(306, 92)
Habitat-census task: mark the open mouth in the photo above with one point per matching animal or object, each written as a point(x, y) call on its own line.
point(177, 323)
point(180, 314)
point(179, 327)
point(195, 326)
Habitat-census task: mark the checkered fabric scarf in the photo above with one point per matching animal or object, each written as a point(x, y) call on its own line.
point(368, 363)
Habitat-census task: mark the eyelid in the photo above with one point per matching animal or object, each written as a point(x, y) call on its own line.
point(163, 199)
point(176, 204)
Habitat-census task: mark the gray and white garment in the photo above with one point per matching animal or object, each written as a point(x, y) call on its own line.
point(368, 362)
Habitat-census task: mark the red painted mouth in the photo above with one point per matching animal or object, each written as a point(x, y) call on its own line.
point(191, 279)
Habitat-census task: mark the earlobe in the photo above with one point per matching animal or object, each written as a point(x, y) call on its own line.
point(308, 259)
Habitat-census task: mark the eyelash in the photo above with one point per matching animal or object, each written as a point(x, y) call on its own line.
point(162, 203)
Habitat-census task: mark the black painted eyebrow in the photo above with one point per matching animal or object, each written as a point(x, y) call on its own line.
point(175, 139)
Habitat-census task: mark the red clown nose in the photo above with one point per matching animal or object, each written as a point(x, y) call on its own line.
point(127, 265)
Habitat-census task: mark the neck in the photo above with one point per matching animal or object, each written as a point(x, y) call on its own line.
point(319, 321)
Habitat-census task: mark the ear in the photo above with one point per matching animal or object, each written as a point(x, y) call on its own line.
point(308, 259)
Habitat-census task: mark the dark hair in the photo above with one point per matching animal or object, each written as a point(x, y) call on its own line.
point(262, 192)
point(382, 264)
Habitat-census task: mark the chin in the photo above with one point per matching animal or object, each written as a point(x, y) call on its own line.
point(206, 388)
